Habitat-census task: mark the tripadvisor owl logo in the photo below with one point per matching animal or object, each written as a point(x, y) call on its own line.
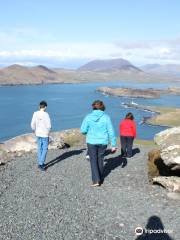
point(139, 231)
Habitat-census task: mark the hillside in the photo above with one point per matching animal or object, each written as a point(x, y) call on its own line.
point(109, 65)
point(17, 74)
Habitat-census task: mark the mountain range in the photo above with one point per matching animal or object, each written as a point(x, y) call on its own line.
point(97, 70)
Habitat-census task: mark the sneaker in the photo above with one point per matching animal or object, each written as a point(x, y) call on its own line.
point(88, 157)
point(42, 167)
point(95, 185)
point(123, 155)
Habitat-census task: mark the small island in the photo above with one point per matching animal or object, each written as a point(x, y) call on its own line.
point(137, 93)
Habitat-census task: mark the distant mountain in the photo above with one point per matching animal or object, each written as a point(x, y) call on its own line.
point(17, 74)
point(109, 65)
point(166, 69)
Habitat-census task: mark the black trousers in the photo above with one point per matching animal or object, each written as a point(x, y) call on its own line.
point(126, 145)
point(96, 153)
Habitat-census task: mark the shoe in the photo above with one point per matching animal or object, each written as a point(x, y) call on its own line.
point(95, 185)
point(88, 157)
point(42, 167)
point(123, 155)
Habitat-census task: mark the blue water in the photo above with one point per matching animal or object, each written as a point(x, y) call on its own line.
point(68, 104)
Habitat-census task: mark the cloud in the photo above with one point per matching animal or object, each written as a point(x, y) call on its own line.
point(30, 46)
point(161, 51)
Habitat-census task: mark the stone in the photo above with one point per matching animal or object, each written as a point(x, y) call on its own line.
point(153, 158)
point(169, 144)
point(27, 142)
point(164, 163)
point(173, 195)
point(171, 183)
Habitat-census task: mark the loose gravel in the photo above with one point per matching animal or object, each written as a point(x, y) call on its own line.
point(60, 204)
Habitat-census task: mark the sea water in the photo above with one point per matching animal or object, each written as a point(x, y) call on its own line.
point(68, 104)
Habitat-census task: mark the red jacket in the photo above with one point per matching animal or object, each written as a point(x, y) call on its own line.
point(127, 127)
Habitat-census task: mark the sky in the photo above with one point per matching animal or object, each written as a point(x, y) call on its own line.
point(59, 33)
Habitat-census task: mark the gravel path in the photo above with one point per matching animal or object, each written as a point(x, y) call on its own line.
point(61, 204)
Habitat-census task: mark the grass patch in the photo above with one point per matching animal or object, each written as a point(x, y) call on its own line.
point(140, 142)
point(73, 137)
point(144, 142)
point(168, 117)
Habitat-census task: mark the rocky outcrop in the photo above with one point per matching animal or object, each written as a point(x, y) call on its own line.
point(172, 183)
point(164, 164)
point(169, 143)
point(27, 142)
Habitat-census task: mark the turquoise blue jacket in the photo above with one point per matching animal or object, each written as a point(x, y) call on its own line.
point(98, 128)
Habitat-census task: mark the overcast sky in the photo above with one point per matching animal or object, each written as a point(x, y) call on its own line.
point(70, 33)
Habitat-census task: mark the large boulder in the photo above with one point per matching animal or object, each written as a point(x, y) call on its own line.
point(172, 183)
point(27, 142)
point(167, 160)
point(169, 144)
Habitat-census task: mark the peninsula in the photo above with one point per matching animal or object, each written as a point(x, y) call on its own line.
point(137, 93)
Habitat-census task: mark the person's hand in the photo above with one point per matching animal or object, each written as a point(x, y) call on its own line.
point(113, 149)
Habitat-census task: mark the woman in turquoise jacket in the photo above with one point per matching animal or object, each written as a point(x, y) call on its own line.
point(99, 132)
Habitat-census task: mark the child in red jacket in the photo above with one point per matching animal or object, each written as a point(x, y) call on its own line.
point(127, 129)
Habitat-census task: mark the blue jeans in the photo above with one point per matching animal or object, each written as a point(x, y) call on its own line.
point(42, 149)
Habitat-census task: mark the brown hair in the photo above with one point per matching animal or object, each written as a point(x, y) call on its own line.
point(98, 105)
point(129, 116)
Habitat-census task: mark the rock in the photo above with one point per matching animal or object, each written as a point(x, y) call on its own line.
point(2, 163)
point(169, 143)
point(156, 165)
point(153, 158)
point(166, 159)
point(27, 142)
point(172, 183)
point(173, 195)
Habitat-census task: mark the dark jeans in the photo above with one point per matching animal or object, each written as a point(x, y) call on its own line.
point(96, 153)
point(126, 145)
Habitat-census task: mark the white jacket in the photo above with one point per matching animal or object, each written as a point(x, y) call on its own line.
point(41, 123)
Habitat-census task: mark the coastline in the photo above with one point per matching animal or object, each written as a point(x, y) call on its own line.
point(161, 116)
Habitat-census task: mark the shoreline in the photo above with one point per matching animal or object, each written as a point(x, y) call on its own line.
point(160, 116)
